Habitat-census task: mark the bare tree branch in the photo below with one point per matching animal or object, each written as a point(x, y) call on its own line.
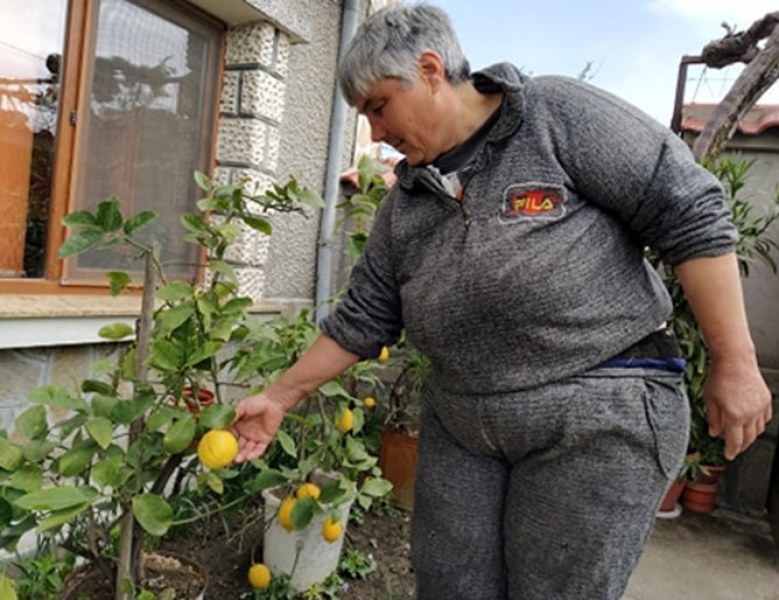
point(741, 46)
point(760, 74)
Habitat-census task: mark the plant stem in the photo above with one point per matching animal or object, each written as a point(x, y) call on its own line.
point(129, 547)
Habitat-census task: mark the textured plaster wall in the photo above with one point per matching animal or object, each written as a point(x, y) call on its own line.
point(305, 132)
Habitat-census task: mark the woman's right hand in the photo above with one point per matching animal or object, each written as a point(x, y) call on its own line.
point(257, 419)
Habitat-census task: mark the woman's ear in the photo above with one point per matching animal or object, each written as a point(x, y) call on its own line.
point(431, 69)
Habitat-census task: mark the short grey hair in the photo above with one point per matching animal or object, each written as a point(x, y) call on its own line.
point(390, 42)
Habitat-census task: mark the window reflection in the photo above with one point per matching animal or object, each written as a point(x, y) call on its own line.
point(31, 41)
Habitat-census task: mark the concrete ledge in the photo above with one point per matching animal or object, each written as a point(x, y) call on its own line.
point(284, 14)
point(30, 321)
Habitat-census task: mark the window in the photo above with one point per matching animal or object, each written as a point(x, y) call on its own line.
point(100, 98)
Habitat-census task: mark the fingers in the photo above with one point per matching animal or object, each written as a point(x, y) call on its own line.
point(714, 418)
point(249, 449)
point(739, 437)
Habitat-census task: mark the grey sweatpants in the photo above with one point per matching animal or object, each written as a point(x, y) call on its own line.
point(544, 494)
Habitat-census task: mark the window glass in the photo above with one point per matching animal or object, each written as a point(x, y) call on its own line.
point(146, 123)
point(31, 49)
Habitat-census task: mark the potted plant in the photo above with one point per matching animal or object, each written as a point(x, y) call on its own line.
point(100, 479)
point(400, 422)
point(320, 462)
point(754, 244)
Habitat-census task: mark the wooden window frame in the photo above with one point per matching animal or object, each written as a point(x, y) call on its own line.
point(79, 30)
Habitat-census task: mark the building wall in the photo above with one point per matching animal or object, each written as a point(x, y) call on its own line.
point(746, 480)
point(275, 113)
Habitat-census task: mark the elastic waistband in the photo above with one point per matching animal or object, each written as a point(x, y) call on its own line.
point(659, 350)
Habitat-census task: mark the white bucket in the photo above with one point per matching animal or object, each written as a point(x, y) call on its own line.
point(303, 554)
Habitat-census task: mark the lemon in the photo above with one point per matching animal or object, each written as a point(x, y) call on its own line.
point(217, 449)
point(259, 576)
point(285, 513)
point(345, 422)
point(308, 489)
point(384, 354)
point(331, 530)
point(369, 402)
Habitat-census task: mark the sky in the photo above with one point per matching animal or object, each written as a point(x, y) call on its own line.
point(634, 46)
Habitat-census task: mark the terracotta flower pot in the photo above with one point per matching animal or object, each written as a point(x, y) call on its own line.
point(668, 505)
point(699, 497)
point(205, 398)
point(398, 464)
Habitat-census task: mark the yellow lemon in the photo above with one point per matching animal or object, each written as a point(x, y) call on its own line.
point(285, 513)
point(345, 422)
point(331, 530)
point(217, 449)
point(384, 354)
point(307, 489)
point(369, 402)
point(259, 576)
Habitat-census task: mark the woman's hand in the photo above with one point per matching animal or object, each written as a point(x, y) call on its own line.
point(738, 403)
point(257, 419)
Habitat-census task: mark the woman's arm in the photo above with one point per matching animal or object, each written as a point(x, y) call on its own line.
point(258, 417)
point(737, 400)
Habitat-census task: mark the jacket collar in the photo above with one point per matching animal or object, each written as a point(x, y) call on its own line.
point(501, 77)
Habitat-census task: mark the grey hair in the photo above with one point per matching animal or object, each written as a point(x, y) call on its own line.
point(389, 43)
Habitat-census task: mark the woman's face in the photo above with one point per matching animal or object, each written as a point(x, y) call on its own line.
point(405, 117)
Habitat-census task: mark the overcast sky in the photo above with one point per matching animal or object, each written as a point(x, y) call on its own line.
point(634, 45)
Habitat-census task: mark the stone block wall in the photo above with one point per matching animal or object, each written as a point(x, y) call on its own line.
point(249, 135)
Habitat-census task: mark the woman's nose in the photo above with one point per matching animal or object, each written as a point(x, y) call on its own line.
point(377, 131)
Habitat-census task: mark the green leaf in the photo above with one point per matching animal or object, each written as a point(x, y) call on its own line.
point(93, 385)
point(112, 471)
point(214, 482)
point(267, 479)
point(217, 416)
point(302, 512)
point(167, 321)
point(101, 430)
point(333, 388)
point(56, 395)
point(173, 292)
point(203, 182)
point(11, 457)
point(204, 351)
point(194, 223)
point(77, 459)
point(138, 221)
point(119, 281)
point(287, 443)
point(6, 512)
point(165, 356)
point(115, 331)
point(259, 224)
point(153, 513)
point(60, 517)
point(80, 218)
point(109, 216)
point(32, 423)
point(57, 498)
point(7, 591)
point(29, 478)
point(79, 242)
point(180, 435)
point(376, 487)
point(162, 416)
point(36, 451)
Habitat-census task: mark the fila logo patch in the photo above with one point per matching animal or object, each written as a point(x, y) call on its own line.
point(531, 201)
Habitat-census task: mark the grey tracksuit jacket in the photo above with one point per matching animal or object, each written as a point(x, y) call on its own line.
point(539, 272)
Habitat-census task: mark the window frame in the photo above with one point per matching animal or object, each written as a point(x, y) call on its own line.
point(78, 40)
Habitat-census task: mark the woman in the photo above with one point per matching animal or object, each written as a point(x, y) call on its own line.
point(512, 251)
